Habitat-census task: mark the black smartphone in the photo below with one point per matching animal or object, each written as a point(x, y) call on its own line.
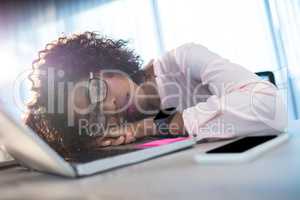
point(243, 144)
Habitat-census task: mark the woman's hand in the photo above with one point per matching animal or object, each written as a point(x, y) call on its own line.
point(126, 133)
point(116, 136)
point(130, 132)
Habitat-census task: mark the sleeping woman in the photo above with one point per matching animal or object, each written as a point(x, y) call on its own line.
point(90, 91)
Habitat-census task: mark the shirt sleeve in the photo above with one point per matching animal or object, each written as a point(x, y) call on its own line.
point(241, 104)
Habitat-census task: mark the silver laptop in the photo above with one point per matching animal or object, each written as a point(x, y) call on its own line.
point(31, 151)
point(5, 159)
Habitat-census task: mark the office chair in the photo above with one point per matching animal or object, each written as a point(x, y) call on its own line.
point(267, 75)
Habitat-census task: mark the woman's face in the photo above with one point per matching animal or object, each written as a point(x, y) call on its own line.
point(124, 99)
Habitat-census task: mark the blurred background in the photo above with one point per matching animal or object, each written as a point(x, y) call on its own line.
point(258, 34)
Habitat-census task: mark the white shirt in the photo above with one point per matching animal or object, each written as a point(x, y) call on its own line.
point(217, 98)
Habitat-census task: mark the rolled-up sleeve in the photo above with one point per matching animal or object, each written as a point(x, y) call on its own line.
point(241, 104)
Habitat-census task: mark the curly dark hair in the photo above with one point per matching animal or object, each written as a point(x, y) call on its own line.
point(75, 56)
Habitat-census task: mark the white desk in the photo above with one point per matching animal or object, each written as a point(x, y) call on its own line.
point(275, 175)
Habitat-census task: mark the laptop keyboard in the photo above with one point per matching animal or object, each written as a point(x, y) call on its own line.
point(101, 153)
point(83, 157)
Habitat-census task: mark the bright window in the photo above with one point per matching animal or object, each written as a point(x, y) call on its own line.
point(235, 29)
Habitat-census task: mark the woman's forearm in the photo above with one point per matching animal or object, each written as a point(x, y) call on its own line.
point(176, 126)
point(145, 127)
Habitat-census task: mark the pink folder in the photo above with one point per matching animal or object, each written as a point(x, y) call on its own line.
point(157, 143)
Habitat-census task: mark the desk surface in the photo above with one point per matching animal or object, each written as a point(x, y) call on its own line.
point(275, 175)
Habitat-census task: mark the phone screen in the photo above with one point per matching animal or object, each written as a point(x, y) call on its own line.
point(242, 144)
